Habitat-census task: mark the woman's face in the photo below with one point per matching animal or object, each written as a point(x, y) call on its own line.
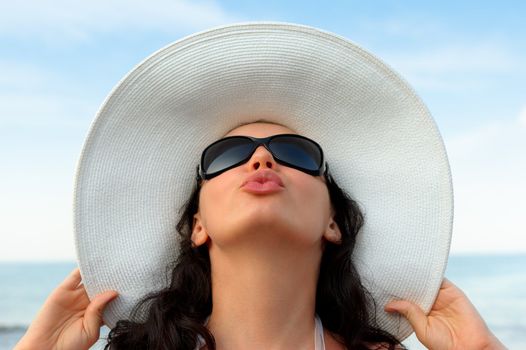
point(298, 215)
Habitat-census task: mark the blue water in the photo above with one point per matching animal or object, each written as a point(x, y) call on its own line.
point(495, 284)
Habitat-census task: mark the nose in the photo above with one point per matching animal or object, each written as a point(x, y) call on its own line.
point(261, 158)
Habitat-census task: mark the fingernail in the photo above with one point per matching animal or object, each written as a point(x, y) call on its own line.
point(389, 309)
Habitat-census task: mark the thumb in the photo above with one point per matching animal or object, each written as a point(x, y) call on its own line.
point(93, 316)
point(413, 313)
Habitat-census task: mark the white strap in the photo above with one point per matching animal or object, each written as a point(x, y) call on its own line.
point(319, 341)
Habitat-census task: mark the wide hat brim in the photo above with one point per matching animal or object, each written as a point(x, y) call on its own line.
point(138, 162)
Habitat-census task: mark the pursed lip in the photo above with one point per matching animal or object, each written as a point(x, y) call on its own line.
point(263, 176)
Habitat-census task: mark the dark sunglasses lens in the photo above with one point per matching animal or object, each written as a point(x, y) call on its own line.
point(226, 153)
point(297, 151)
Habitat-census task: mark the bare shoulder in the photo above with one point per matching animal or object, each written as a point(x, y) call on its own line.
point(382, 346)
point(331, 343)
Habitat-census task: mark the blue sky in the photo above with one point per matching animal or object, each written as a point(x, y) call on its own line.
point(59, 59)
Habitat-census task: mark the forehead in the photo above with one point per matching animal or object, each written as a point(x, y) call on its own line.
point(260, 129)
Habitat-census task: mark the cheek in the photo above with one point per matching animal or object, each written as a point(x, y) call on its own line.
point(312, 206)
point(211, 203)
point(218, 204)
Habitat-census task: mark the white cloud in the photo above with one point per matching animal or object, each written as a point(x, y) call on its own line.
point(38, 167)
point(462, 58)
point(522, 117)
point(409, 26)
point(33, 97)
point(41, 132)
point(43, 110)
point(78, 20)
point(18, 75)
point(489, 179)
point(426, 48)
point(459, 67)
point(37, 215)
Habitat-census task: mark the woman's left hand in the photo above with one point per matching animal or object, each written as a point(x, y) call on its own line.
point(452, 323)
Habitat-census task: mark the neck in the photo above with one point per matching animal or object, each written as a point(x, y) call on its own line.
point(264, 295)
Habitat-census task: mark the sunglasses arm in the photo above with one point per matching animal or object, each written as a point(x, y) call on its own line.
point(198, 176)
point(326, 170)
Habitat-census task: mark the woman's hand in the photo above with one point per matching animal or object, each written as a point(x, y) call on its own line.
point(67, 320)
point(452, 323)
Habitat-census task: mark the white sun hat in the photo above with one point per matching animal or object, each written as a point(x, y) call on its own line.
point(138, 162)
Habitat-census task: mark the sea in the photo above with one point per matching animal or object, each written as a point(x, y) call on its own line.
point(495, 284)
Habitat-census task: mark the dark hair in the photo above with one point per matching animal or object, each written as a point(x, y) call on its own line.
point(176, 314)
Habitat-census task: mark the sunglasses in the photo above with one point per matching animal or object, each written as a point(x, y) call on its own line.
point(295, 151)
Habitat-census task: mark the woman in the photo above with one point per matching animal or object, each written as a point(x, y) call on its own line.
point(254, 268)
point(261, 264)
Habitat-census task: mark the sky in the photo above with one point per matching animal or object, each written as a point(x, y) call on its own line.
point(59, 59)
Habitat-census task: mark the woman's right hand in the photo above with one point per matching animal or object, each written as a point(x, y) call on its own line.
point(67, 320)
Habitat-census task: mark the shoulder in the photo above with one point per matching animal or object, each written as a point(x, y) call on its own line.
point(382, 346)
point(331, 343)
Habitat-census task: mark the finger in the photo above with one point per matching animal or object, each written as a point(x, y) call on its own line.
point(412, 313)
point(447, 283)
point(72, 280)
point(451, 288)
point(93, 316)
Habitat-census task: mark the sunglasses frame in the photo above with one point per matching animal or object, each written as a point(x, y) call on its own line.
point(265, 141)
